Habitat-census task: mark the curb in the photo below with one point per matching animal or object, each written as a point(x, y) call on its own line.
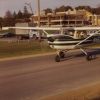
point(25, 56)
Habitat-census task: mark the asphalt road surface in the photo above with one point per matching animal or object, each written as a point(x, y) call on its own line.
point(36, 77)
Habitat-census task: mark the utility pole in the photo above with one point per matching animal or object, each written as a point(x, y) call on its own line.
point(38, 5)
point(38, 11)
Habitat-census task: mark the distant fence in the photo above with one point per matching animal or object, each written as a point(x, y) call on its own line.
point(23, 47)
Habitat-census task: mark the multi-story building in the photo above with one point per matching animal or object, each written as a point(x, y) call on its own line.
point(68, 18)
point(95, 20)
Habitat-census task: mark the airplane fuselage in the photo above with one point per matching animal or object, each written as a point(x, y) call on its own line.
point(67, 43)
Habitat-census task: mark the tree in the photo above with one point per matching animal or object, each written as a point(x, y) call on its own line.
point(1, 22)
point(25, 13)
point(88, 8)
point(8, 14)
point(96, 11)
point(63, 8)
point(60, 9)
point(14, 15)
point(19, 15)
point(25, 10)
point(68, 8)
point(48, 10)
point(8, 19)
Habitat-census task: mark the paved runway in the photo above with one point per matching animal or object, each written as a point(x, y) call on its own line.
point(36, 77)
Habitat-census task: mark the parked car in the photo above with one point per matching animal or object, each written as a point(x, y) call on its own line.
point(7, 34)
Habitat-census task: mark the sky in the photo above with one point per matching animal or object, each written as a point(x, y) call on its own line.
point(16, 5)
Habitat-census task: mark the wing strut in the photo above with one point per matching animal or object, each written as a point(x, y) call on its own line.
point(92, 34)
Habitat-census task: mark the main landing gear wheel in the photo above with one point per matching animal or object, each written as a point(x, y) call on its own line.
point(57, 58)
point(61, 54)
point(90, 57)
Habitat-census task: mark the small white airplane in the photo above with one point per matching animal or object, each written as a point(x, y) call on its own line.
point(63, 43)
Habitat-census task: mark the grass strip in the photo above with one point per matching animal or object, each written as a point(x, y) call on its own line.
point(19, 48)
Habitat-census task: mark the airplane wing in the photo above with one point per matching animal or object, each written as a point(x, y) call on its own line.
point(58, 28)
point(87, 28)
point(32, 28)
point(44, 29)
point(4, 28)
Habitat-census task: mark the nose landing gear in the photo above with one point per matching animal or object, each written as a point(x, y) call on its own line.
point(59, 56)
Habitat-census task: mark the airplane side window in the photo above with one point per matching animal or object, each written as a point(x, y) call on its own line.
point(64, 38)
